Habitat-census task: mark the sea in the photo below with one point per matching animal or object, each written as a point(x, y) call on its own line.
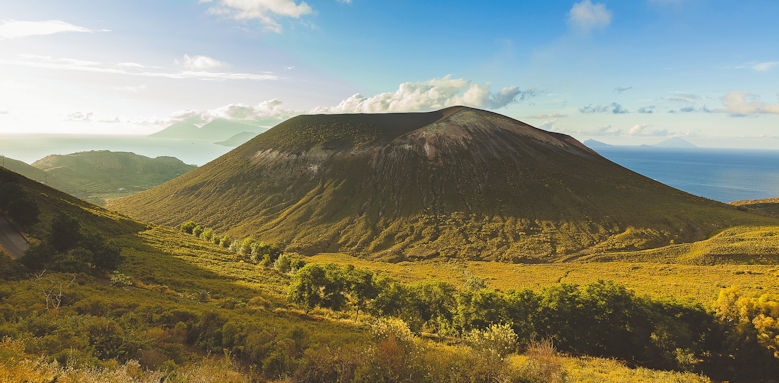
point(723, 175)
point(720, 174)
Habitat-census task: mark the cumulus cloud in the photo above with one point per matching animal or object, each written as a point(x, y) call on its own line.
point(614, 108)
point(265, 11)
point(621, 89)
point(586, 16)
point(647, 109)
point(742, 103)
point(200, 63)
point(431, 94)
point(265, 113)
point(14, 29)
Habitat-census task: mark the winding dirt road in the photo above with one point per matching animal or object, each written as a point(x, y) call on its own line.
point(11, 241)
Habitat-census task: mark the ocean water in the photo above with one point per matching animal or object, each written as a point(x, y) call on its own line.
point(720, 174)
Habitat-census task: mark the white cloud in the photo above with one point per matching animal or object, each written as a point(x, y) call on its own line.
point(613, 108)
point(742, 103)
point(131, 69)
point(265, 113)
point(683, 97)
point(265, 11)
point(200, 63)
point(431, 94)
point(586, 16)
point(765, 66)
point(14, 29)
point(647, 130)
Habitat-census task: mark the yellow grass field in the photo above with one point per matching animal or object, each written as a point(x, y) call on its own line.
point(696, 283)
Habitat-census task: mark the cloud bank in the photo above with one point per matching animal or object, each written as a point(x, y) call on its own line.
point(743, 103)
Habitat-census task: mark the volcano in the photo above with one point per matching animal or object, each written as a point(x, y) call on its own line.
point(458, 182)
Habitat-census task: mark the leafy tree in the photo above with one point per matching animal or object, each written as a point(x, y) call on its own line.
point(361, 287)
point(65, 233)
point(106, 254)
point(306, 286)
point(316, 285)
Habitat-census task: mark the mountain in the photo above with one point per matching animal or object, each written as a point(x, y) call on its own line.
point(595, 144)
point(96, 175)
point(237, 139)
point(674, 143)
point(52, 202)
point(211, 130)
point(23, 168)
point(458, 182)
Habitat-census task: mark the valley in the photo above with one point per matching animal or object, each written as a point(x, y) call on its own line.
point(304, 255)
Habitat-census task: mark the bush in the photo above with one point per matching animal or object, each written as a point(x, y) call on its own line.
point(188, 227)
point(282, 264)
point(499, 339)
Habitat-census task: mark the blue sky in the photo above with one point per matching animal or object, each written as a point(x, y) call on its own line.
point(623, 72)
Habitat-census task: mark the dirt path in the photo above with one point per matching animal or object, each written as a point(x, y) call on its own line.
point(10, 240)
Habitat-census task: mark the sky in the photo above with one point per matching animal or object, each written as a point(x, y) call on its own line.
point(620, 71)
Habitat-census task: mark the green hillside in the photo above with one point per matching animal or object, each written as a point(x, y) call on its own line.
point(458, 182)
point(180, 308)
point(98, 175)
point(23, 168)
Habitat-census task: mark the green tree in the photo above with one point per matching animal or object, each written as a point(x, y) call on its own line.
point(316, 285)
point(65, 233)
point(361, 287)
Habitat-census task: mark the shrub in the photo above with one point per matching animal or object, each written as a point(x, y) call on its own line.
point(188, 227)
point(499, 339)
point(282, 264)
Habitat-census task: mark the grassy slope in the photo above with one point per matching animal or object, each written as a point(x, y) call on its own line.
point(768, 206)
point(696, 283)
point(171, 272)
point(97, 175)
point(454, 183)
point(24, 169)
